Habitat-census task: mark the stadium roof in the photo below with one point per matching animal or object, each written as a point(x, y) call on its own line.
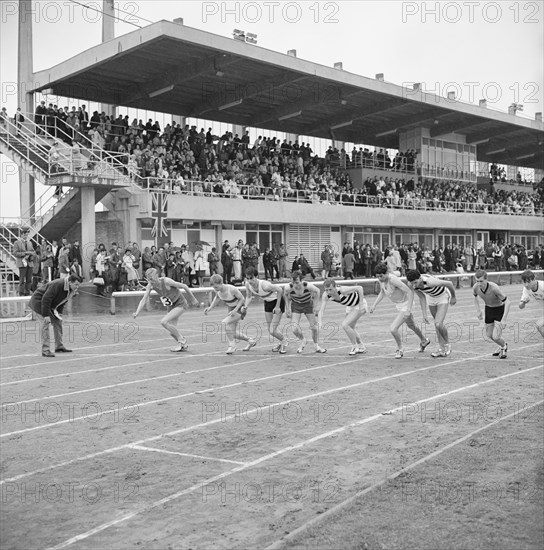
point(167, 67)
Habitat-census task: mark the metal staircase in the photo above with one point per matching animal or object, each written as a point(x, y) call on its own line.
point(52, 161)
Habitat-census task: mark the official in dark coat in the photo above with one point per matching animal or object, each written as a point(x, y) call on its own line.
point(48, 302)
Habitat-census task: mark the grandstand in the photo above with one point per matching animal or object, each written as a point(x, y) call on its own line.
point(151, 449)
point(309, 201)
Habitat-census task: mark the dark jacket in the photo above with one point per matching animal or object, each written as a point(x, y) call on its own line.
point(50, 297)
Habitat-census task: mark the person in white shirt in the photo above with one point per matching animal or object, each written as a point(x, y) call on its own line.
point(532, 289)
point(403, 297)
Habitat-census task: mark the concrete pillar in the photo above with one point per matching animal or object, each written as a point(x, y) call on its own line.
point(27, 194)
point(108, 33)
point(238, 129)
point(88, 227)
point(25, 73)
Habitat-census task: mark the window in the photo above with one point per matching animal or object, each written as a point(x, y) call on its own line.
point(460, 240)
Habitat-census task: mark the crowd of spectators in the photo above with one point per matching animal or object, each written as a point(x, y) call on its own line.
point(181, 159)
point(498, 174)
point(122, 267)
point(360, 260)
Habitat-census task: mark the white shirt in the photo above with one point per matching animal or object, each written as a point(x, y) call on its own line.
point(538, 294)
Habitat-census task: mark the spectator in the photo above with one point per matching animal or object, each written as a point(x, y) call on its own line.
point(25, 257)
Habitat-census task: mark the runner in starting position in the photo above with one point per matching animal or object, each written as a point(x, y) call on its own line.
point(234, 301)
point(497, 306)
point(301, 298)
point(353, 298)
point(438, 295)
point(532, 289)
point(403, 298)
point(172, 299)
point(274, 305)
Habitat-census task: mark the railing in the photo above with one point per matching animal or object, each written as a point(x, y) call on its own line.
point(61, 157)
point(375, 164)
point(11, 231)
point(441, 172)
point(58, 129)
point(13, 135)
point(253, 192)
point(44, 203)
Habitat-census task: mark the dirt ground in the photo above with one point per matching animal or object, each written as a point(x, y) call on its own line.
point(124, 445)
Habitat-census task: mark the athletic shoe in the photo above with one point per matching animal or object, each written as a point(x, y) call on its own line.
point(361, 349)
point(354, 350)
point(319, 349)
point(497, 352)
point(302, 346)
point(180, 347)
point(439, 353)
point(399, 354)
point(283, 347)
point(504, 351)
point(251, 343)
point(448, 349)
point(276, 348)
point(423, 345)
point(230, 350)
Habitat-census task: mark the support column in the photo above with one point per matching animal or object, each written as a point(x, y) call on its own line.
point(108, 33)
point(25, 100)
point(88, 228)
point(178, 119)
point(27, 194)
point(238, 129)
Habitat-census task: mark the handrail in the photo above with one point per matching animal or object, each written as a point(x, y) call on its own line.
point(22, 138)
point(254, 192)
point(16, 236)
point(74, 135)
point(445, 172)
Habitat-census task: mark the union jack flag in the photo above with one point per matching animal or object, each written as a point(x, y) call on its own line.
point(159, 212)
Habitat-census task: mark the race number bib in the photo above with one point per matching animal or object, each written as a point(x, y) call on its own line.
point(166, 302)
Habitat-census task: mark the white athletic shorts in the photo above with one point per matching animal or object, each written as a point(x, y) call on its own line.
point(444, 298)
point(402, 307)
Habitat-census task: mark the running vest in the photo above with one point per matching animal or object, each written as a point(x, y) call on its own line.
point(347, 300)
point(266, 295)
point(169, 296)
point(303, 300)
point(431, 290)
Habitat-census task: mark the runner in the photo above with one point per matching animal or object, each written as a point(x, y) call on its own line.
point(274, 305)
point(437, 294)
point(497, 306)
point(532, 289)
point(301, 298)
point(234, 301)
point(172, 299)
point(353, 298)
point(403, 298)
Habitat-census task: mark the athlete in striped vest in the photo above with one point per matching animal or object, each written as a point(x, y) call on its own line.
point(301, 299)
point(437, 294)
point(353, 298)
point(274, 305)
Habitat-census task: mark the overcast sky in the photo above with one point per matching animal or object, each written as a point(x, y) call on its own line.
point(491, 50)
